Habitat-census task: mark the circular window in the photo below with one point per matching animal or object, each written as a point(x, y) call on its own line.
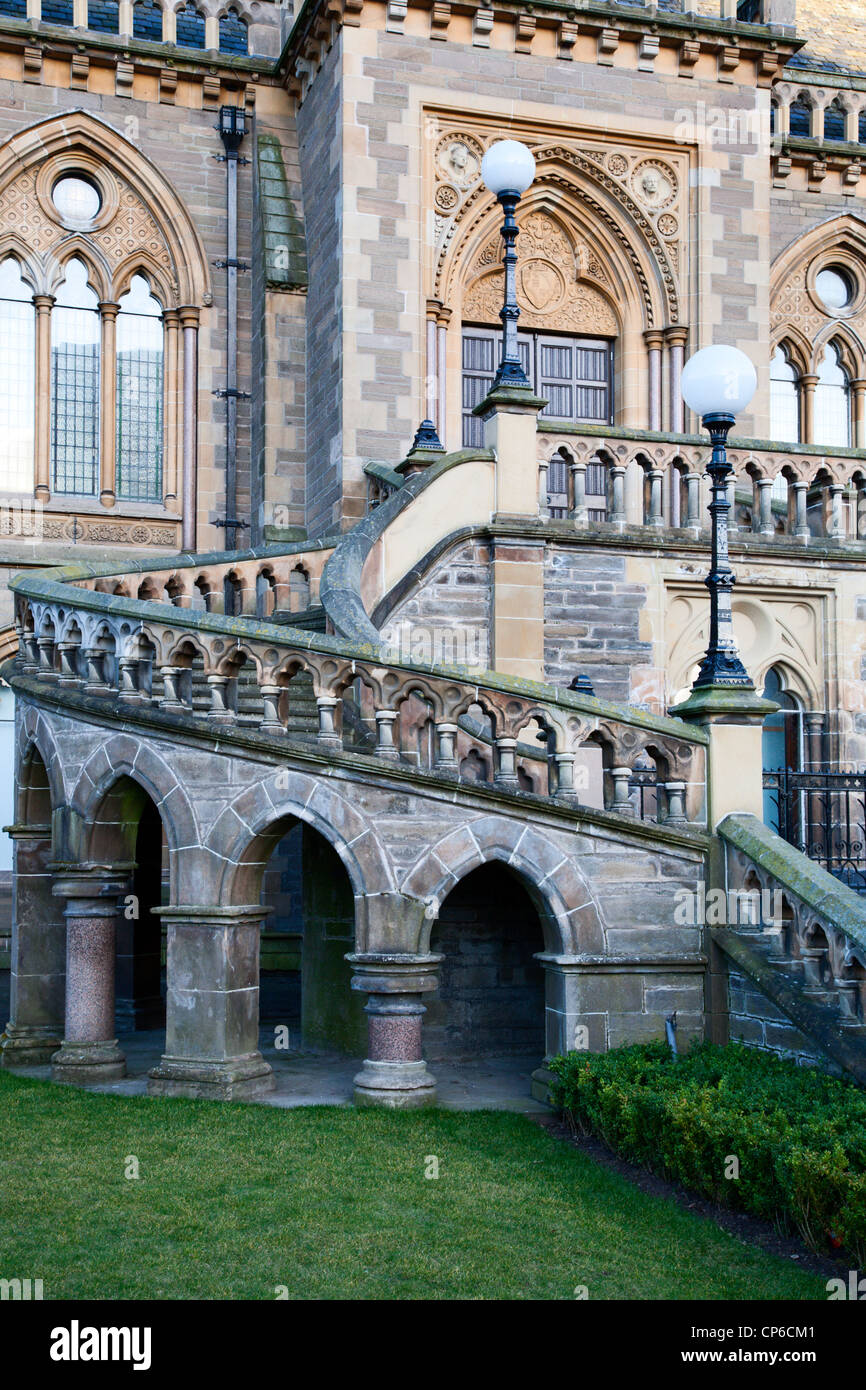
point(835, 288)
point(76, 199)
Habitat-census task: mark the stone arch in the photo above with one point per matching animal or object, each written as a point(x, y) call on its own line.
point(796, 310)
point(35, 799)
point(122, 756)
point(167, 232)
point(79, 248)
point(244, 834)
point(569, 915)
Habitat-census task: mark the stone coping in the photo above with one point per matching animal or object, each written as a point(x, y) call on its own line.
point(811, 883)
point(162, 52)
point(736, 443)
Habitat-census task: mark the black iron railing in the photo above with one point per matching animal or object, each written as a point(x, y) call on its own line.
point(823, 814)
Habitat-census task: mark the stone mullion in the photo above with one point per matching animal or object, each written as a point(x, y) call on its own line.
point(43, 304)
point(189, 317)
point(108, 405)
point(173, 431)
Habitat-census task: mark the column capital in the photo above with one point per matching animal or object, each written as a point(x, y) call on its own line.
point(433, 308)
point(218, 914)
point(97, 884)
point(108, 309)
point(386, 973)
point(171, 317)
point(19, 831)
point(43, 302)
point(676, 335)
point(189, 315)
point(653, 337)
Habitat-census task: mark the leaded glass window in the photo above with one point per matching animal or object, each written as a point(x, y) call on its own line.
point(800, 119)
point(139, 395)
point(834, 122)
point(784, 399)
point(832, 401)
point(104, 16)
point(57, 12)
point(147, 21)
point(75, 339)
point(16, 8)
point(233, 33)
point(190, 27)
point(17, 383)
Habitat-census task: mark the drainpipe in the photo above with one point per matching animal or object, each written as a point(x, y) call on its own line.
point(232, 128)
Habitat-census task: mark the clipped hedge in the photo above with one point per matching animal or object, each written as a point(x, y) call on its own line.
point(799, 1135)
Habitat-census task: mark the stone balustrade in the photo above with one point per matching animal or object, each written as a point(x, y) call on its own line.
point(641, 478)
point(249, 676)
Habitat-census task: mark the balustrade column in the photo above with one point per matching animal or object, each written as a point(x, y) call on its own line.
point(505, 771)
point(763, 520)
point(328, 735)
point(579, 512)
point(617, 513)
point(621, 791)
point(108, 404)
point(170, 680)
point(565, 788)
point(654, 339)
point(30, 653)
point(89, 1051)
point(801, 523)
point(35, 1029)
point(43, 304)
point(693, 501)
point(385, 746)
point(128, 680)
point(446, 749)
point(219, 712)
point(68, 663)
point(836, 521)
point(271, 722)
point(676, 797)
point(96, 683)
point(46, 657)
point(655, 516)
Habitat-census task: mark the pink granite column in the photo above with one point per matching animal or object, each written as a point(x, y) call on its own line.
point(89, 1051)
point(394, 1074)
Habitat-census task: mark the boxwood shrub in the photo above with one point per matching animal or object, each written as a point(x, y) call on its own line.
point(798, 1135)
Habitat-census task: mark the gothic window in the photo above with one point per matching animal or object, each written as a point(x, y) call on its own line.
point(575, 375)
point(139, 391)
point(57, 12)
point(104, 16)
point(233, 33)
point(834, 122)
point(17, 380)
point(800, 119)
point(784, 399)
point(190, 26)
point(861, 127)
point(75, 338)
point(17, 9)
point(147, 21)
point(832, 401)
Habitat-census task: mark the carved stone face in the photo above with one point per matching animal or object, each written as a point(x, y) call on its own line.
point(458, 158)
point(651, 183)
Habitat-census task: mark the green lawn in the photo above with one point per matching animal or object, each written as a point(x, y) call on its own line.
point(235, 1200)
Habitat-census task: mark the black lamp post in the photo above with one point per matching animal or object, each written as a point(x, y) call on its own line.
point(508, 169)
point(718, 383)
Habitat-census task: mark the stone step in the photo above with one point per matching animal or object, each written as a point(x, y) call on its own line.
point(312, 619)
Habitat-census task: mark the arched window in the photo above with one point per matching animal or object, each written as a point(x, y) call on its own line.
point(782, 744)
point(57, 12)
point(800, 118)
point(139, 395)
point(834, 122)
point(75, 337)
point(233, 33)
point(147, 21)
point(104, 16)
point(784, 399)
point(17, 379)
point(17, 9)
point(832, 401)
point(190, 26)
point(861, 127)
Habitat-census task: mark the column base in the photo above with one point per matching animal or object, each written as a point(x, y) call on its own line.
point(395, 1085)
point(28, 1046)
point(80, 1063)
point(236, 1078)
point(542, 1080)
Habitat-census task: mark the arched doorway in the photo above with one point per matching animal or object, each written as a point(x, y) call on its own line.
point(490, 1001)
point(304, 977)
